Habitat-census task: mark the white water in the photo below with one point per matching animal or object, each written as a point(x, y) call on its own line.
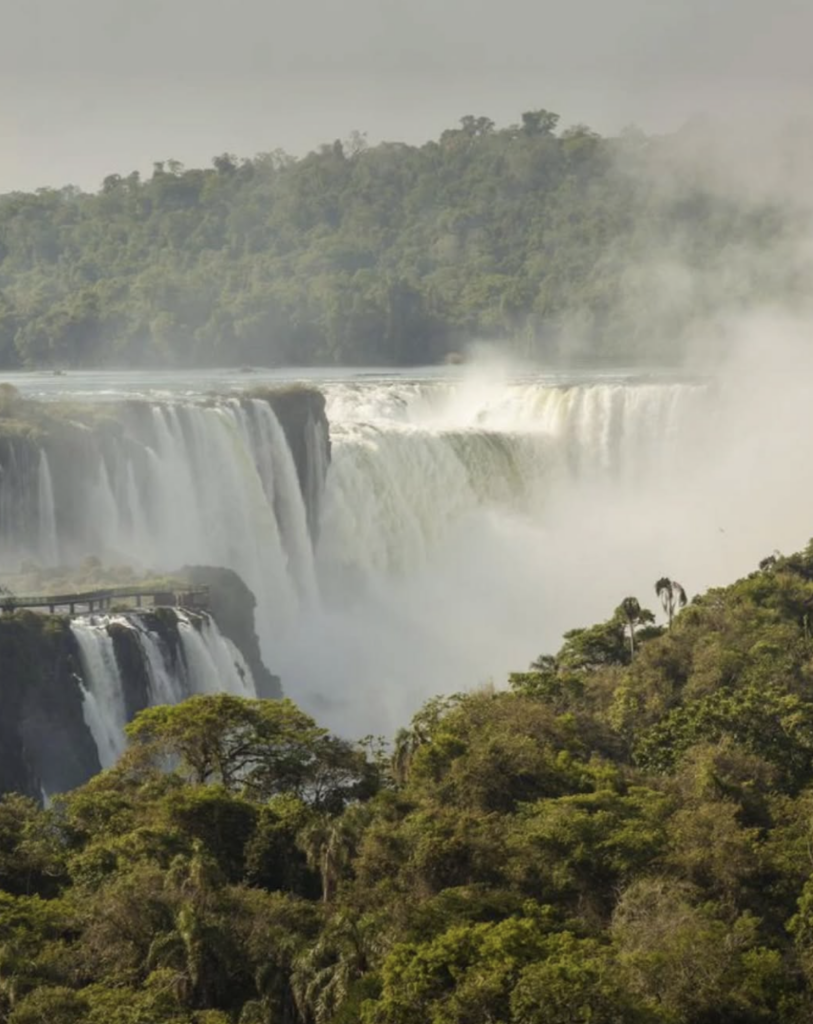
point(263, 436)
point(466, 526)
point(212, 662)
point(179, 484)
point(465, 523)
point(48, 540)
point(103, 690)
point(440, 553)
point(208, 663)
point(410, 463)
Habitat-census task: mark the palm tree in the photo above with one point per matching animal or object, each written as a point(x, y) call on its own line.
point(407, 742)
point(329, 843)
point(325, 971)
point(672, 596)
point(634, 615)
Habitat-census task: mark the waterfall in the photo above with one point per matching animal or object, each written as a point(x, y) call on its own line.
point(208, 663)
point(166, 685)
point(419, 547)
point(265, 439)
point(171, 484)
point(19, 512)
point(102, 688)
point(411, 462)
point(216, 483)
point(467, 523)
point(212, 662)
point(317, 462)
point(48, 540)
point(448, 530)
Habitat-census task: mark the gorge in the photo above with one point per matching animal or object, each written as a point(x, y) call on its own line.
point(377, 521)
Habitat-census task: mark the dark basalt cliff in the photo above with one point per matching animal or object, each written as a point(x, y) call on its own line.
point(301, 413)
point(44, 742)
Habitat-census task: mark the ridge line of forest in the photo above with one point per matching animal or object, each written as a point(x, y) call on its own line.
point(615, 248)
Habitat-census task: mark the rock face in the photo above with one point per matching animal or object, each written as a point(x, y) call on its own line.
point(301, 412)
point(45, 744)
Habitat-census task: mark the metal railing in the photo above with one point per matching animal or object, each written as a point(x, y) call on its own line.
point(100, 600)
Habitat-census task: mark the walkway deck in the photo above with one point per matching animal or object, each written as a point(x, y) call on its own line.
point(196, 598)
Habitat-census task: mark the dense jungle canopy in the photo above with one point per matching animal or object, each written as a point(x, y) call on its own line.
point(553, 242)
point(624, 835)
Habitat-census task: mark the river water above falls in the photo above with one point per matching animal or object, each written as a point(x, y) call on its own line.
point(466, 520)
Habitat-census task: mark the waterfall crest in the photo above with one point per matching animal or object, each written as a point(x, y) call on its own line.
point(411, 461)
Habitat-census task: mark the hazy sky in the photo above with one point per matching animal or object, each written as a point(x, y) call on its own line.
point(88, 87)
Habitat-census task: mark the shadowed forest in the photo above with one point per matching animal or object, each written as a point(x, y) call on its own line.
point(559, 243)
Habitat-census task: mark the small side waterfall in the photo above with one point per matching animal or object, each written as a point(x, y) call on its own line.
point(102, 686)
point(185, 657)
point(20, 465)
point(317, 461)
point(212, 663)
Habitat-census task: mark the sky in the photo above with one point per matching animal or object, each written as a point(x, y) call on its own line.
point(93, 87)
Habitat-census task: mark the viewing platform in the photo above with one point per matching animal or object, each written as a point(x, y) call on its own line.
point(194, 598)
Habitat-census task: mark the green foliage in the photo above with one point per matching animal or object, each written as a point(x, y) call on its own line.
point(258, 746)
point(623, 836)
point(392, 254)
point(46, 1005)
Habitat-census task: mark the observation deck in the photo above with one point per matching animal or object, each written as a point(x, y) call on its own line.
point(194, 598)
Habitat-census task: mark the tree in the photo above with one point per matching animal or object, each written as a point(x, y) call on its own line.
point(50, 1004)
point(539, 122)
point(672, 596)
point(634, 615)
point(591, 647)
point(407, 743)
point(260, 746)
point(476, 126)
point(329, 841)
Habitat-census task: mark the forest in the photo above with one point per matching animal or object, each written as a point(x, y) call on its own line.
point(555, 242)
point(621, 835)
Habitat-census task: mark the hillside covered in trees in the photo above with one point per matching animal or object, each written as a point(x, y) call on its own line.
point(622, 836)
point(548, 240)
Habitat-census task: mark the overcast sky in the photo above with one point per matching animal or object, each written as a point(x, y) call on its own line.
point(88, 87)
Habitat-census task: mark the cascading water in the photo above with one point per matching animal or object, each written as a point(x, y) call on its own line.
point(102, 686)
point(170, 484)
point(462, 523)
point(449, 510)
point(264, 438)
point(48, 540)
point(411, 462)
point(206, 662)
point(212, 663)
